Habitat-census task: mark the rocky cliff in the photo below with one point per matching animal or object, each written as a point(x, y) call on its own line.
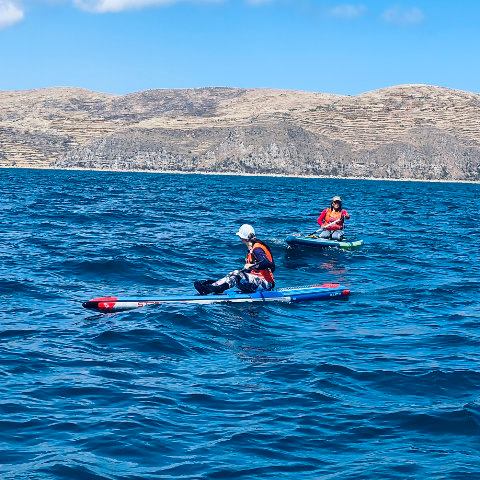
point(410, 131)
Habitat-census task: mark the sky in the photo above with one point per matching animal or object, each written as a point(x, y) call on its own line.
point(123, 46)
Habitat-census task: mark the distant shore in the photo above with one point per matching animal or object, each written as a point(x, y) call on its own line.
point(240, 174)
point(417, 133)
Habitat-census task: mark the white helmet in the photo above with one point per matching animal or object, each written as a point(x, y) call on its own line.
point(336, 198)
point(246, 232)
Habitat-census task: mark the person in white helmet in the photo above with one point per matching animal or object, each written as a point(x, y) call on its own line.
point(257, 273)
point(331, 220)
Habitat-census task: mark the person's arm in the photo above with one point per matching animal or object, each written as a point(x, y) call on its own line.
point(262, 263)
point(345, 214)
point(321, 218)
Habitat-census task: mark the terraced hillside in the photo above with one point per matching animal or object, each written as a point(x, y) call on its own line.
point(410, 131)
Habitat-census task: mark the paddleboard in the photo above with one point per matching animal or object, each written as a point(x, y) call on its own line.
point(295, 294)
point(315, 241)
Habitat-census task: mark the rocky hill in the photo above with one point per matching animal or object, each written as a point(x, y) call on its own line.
point(410, 131)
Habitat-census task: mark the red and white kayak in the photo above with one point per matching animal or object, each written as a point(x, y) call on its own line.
point(324, 291)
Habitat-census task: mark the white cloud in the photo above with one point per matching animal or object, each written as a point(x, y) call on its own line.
point(347, 11)
point(104, 6)
point(10, 13)
point(259, 2)
point(403, 16)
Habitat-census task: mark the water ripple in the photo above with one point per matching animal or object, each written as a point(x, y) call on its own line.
point(384, 385)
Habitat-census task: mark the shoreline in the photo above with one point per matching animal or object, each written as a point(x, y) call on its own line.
point(239, 174)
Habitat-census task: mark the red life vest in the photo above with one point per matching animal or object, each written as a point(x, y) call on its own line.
point(266, 274)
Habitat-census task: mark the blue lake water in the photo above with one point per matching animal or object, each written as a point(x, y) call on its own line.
point(385, 385)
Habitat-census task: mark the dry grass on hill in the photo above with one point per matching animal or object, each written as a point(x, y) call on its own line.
point(409, 131)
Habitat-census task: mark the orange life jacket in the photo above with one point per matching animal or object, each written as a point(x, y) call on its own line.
point(331, 216)
point(266, 274)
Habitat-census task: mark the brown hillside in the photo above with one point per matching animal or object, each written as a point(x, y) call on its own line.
point(408, 131)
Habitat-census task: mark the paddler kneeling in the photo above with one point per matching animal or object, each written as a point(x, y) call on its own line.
point(331, 220)
point(257, 273)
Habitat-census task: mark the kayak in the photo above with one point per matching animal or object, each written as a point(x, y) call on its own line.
point(295, 294)
point(315, 241)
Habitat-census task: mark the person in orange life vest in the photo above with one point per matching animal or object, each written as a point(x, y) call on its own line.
point(331, 220)
point(257, 273)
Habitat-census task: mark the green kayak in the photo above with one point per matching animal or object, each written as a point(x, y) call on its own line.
point(315, 241)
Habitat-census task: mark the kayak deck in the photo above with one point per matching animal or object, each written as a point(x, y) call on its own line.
point(295, 294)
point(315, 241)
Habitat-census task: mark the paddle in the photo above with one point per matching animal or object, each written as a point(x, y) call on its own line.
point(325, 226)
